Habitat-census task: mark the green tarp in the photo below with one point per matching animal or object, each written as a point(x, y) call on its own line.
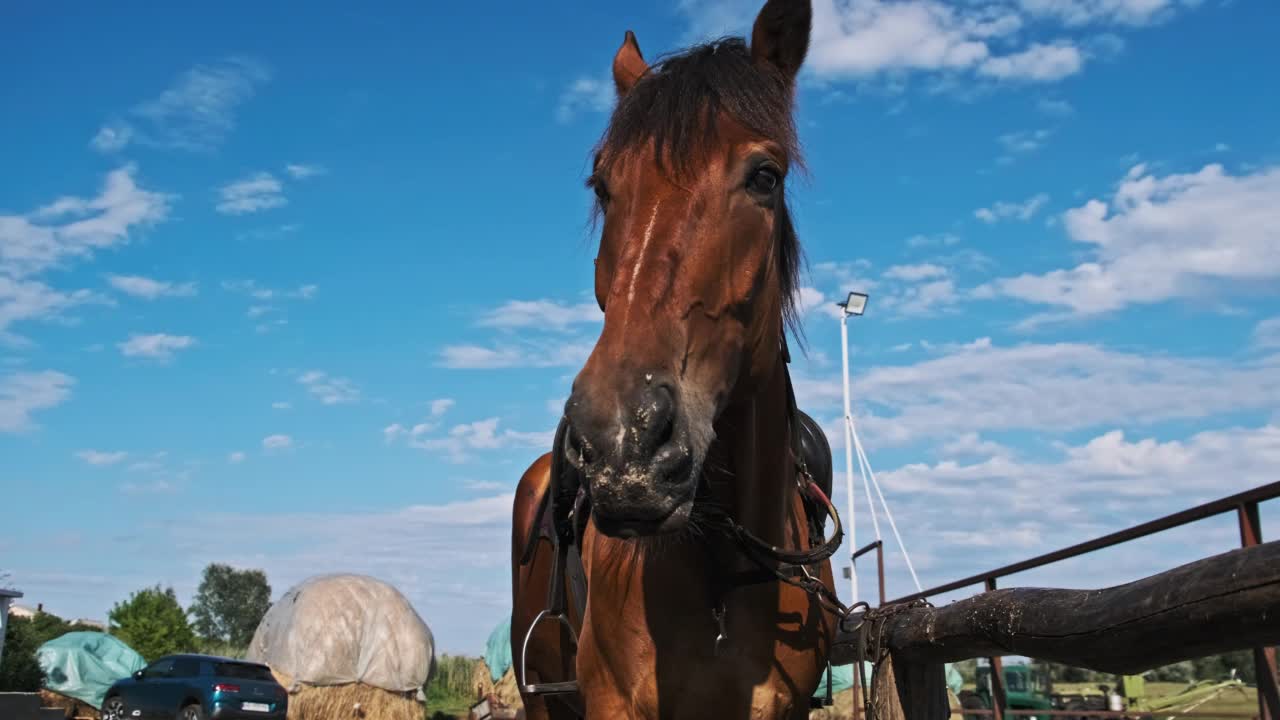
point(84, 665)
point(497, 651)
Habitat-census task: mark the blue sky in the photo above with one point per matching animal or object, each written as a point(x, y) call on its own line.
point(305, 290)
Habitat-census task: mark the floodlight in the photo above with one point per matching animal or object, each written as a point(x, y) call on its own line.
point(856, 304)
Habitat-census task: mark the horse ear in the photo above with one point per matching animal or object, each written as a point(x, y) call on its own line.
point(628, 64)
point(781, 35)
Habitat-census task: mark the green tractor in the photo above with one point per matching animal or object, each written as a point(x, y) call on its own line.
point(1029, 688)
point(1025, 688)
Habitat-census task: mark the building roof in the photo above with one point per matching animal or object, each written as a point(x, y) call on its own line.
point(9, 593)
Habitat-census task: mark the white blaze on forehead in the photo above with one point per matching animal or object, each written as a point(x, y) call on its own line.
point(644, 248)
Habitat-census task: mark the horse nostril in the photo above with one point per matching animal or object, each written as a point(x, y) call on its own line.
point(657, 416)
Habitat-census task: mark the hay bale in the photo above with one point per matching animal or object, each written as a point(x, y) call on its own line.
point(73, 708)
point(508, 691)
point(351, 700)
point(481, 681)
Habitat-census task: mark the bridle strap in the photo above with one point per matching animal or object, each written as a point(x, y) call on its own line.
point(777, 563)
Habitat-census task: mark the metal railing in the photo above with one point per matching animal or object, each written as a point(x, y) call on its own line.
point(1244, 505)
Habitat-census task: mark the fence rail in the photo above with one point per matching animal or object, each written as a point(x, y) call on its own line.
point(990, 629)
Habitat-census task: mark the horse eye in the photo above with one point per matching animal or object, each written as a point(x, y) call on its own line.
point(602, 192)
point(764, 181)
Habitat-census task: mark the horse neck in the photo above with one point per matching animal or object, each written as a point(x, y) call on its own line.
point(753, 435)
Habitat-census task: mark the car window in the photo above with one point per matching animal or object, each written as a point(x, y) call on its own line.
point(1015, 682)
point(185, 668)
point(160, 668)
point(242, 671)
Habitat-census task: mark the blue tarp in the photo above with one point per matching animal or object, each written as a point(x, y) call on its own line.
point(842, 679)
point(497, 651)
point(84, 665)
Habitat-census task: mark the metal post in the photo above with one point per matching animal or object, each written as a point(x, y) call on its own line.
point(997, 675)
point(1264, 659)
point(880, 568)
point(848, 454)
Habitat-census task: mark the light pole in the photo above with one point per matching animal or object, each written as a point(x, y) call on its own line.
point(855, 304)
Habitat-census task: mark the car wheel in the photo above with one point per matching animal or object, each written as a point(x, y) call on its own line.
point(113, 708)
point(191, 712)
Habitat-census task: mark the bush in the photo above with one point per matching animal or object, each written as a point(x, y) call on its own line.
point(19, 671)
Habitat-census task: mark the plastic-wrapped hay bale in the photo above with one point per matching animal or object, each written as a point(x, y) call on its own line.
point(347, 646)
point(83, 665)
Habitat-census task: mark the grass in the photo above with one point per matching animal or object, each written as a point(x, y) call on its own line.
point(449, 694)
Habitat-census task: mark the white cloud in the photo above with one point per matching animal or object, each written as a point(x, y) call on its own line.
point(277, 442)
point(918, 241)
point(24, 393)
point(924, 298)
point(159, 346)
point(539, 354)
point(236, 457)
point(809, 299)
point(302, 172)
point(1061, 387)
point(329, 389)
point(585, 94)
point(196, 113)
point(463, 438)
point(915, 273)
point(1120, 12)
point(257, 292)
point(281, 405)
point(30, 300)
point(1266, 334)
point(1132, 472)
point(1024, 141)
point(147, 488)
point(111, 138)
point(1160, 238)
point(542, 314)
point(1055, 108)
point(1002, 210)
point(441, 406)
point(73, 228)
point(482, 435)
point(257, 192)
point(150, 289)
point(865, 38)
point(100, 458)
point(1038, 63)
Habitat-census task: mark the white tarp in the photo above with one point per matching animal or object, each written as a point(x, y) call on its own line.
point(339, 629)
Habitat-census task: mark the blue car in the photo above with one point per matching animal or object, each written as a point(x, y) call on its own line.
point(197, 687)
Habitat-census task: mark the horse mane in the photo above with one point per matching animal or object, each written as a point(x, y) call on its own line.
point(675, 107)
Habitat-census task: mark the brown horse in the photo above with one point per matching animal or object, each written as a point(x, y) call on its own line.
point(684, 408)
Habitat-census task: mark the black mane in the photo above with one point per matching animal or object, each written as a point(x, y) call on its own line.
point(675, 106)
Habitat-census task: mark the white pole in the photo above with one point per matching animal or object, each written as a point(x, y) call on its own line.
point(848, 455)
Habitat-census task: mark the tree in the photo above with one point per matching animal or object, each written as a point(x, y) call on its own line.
point(153, 623)
point(19, 670)
point(230, 603)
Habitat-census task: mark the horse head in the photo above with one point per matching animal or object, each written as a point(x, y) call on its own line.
point(697, 263)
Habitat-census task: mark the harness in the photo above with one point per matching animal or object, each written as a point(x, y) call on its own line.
point(564, 510)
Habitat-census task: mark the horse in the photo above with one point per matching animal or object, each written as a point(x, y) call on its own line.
point(681, 425)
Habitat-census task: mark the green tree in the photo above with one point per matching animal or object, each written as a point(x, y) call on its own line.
point(230, 603)
point(19, 671)
point(153, 623)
